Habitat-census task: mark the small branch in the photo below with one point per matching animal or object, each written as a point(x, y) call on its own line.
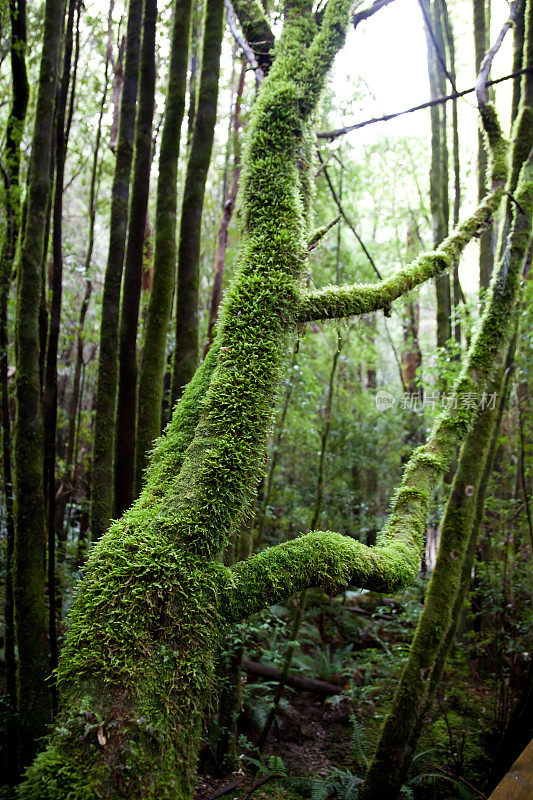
point(256, 29)
point(346, 218)
point(245, 47)
point(296, 681)
point(334, 134)
point(334, 302)
point(486, 64)
point(360, 16)
point(319, 234)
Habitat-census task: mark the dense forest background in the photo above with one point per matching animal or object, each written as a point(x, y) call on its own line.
point(139, 203)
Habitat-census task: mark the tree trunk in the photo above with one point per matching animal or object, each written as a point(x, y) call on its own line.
point(159, 306)
point(440, 211)
point(67, 481)
point(481, 43)
point(227, 213)
point(131, 290)
point(14, 130)
point(398, 738)
point(50, 375)
point(186, 310)
point(105, 401)
point(29, 553)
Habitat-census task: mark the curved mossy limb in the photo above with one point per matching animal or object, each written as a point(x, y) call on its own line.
point(334, 302)
point(444, 599)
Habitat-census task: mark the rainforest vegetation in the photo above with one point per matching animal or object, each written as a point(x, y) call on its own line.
point(266, 521)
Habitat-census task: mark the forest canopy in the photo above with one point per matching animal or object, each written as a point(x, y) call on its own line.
point(265, 368)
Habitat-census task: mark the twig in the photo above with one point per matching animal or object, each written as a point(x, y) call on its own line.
point(347, 220)
point(320, 234)
point(334, 134)
point(246, 49)
point(486, 64)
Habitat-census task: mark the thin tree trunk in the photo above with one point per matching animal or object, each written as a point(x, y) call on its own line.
point(274, 455)
point(12, 155)
point(186, 310)
point(105, 401)
point(50, 377)
point(450, 46)
point(195, 40)
point(229, 206)
point(154, 356)
point(131, 291)
point(29, 554)
point(439, 158)
point(400, 732)
point(67, 488)
point(481, 42)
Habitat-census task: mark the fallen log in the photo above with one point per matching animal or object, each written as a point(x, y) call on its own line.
point(296, 681)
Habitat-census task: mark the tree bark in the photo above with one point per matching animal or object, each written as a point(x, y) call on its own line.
point(29, 552)
point(186, 309)
point(12, 155)
point(440, 211)
point(154, 355)
point(50, 375)
point(227, 214)
point(105, 400)
point(131, 290)
point(481, 43)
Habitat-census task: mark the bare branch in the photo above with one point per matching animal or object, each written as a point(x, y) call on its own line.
point(360, 16)
point(241, 41)
point(256, 30)
point(334, 134)
point(481, 83)
point(346, 218)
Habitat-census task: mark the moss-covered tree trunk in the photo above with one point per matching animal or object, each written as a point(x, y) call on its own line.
point(29, 553)
point(11, 158)
point(185, 356)
point(159, 306)
point(398, 739)
point(138, 664)
point(106, 390)
point(131, 290)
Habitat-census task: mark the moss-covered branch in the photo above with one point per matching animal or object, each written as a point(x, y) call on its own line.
point(331, 560)
point(334, 302)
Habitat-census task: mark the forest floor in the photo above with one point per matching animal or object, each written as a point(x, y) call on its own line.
point(322, 746)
